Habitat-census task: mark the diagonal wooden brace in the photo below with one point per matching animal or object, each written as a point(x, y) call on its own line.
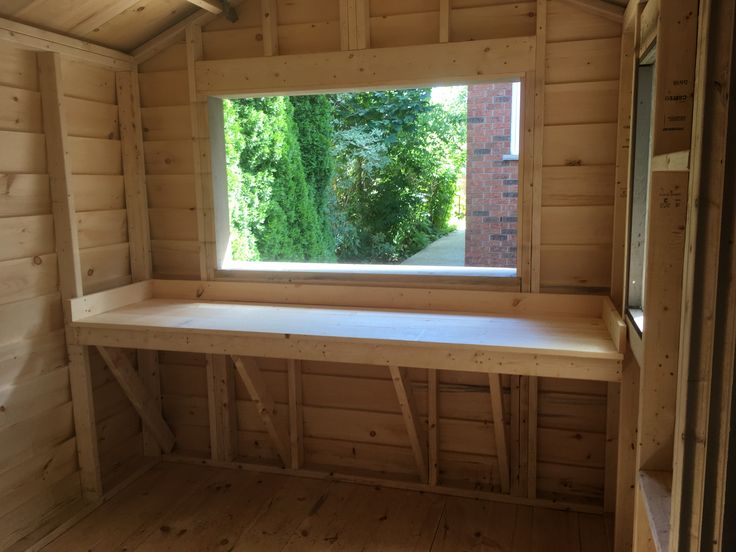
point(402, 384)
point(254, 382)
point(144, 404)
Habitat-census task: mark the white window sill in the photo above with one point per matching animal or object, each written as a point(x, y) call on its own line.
point(399, 275)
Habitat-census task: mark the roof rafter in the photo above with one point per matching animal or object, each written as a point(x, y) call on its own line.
point(168, 37)
point(48, 41)
point(212, 6)
point(600, 8)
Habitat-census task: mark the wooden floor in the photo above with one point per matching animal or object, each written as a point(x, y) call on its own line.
point(193, 508)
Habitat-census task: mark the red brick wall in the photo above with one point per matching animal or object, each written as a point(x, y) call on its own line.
point(492, 182)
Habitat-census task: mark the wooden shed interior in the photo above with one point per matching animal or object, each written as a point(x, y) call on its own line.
point(152, 400)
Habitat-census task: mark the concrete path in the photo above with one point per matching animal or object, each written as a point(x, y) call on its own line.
point(447, 251)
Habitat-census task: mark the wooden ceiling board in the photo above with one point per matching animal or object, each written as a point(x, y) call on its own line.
point(140, 22)
point(118, 24)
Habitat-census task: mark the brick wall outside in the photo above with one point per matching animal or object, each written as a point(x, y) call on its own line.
point(492, 183)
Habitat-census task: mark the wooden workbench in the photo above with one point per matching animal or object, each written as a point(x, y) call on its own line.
point(520, 334)
point(560, 336)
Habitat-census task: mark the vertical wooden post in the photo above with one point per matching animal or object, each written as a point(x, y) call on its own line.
point(198, 114)
point(134, 174)
point(626, 462)
point(270, 26)
point(296, 413)
point(613, 401)
point(136, 205)
point(704, 418)
point(532, 435)
point(362, 24)
point(444, 20)
point(499, 430)
point(345, 20)
point(624, 161)
point(540, 77)
point(70, 277)
point(526, 178)
point(221, 401)
point(433, 422)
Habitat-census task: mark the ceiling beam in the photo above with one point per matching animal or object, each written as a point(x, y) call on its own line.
point(98, 19)
point(168, 37)
point(33, 38)
point(212, 6)
point(600, 8)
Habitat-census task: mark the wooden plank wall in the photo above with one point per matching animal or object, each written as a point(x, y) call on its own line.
point(39, 473)
point(579, 149)
point(39, 476)
point(99, 198)
point(169, 164)
point(351, 415)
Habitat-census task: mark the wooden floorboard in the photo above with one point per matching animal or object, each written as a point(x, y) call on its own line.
point(195, 508)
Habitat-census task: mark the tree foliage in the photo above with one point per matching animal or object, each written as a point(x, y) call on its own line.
point(359, 177)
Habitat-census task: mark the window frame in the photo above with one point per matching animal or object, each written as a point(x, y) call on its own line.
point(487, 278)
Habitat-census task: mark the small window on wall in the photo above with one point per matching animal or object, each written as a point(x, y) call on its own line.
point(371, 181)
point(515, 119)
point(640, 191)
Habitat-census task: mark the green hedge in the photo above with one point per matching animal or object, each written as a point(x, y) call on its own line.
point(363, 177)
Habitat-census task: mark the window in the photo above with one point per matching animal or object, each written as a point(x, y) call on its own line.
point(640, 191)
point(515, 118)
point(389, 180)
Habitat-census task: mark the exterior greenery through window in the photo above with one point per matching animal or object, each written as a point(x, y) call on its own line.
point(368, 177)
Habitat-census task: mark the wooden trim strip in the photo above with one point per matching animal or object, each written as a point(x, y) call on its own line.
point(336, 475)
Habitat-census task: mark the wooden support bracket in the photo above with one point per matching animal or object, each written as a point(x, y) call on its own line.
point(140, 398)
point(254, 382)
point(499, 429)
point(221, 400)
point(402, 384)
